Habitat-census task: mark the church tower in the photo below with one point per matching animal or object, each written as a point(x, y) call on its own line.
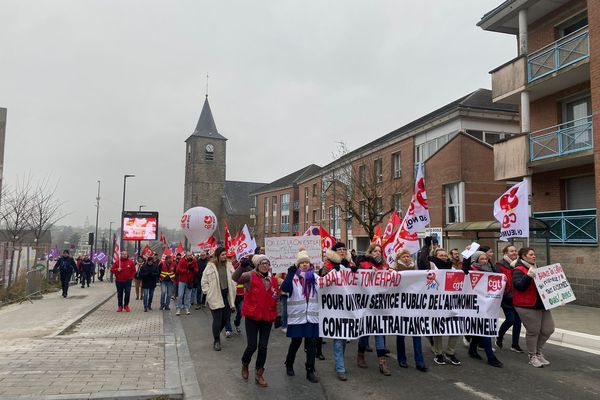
point(205, 166)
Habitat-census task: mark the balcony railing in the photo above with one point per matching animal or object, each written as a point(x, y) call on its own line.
point(295, 228)
point(284, 228)
point(560, 54)
point(570, 137)
point(571, 226)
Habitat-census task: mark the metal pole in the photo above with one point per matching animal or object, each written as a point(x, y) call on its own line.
point(95, 248)
point(123, 208)
point(139, 242)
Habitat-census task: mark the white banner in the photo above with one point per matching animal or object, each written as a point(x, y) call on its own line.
point(282, 251)
point(553, 286)
point(411, 303)
point(246, 245)
point(512, 211)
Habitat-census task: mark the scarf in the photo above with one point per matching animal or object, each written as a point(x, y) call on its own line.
point(525, 263)
point(403, 267)
point(308, 281)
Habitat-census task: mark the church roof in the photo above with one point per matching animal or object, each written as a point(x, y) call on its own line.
point(289, 180)
point(236, 197)
point(206, 124)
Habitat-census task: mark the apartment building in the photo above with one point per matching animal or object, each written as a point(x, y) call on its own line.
point(555, 81)
point(454, 143)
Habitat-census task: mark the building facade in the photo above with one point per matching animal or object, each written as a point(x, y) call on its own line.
point(454, 143)
point(555, 81)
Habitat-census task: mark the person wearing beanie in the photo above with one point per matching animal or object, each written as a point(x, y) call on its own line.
point(301, 284)
point(507, 266)
point(335, 259)
point(480, 262)
point(373, 259)
point(259, 310)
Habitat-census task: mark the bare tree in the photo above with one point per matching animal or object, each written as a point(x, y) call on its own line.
point(45, 211)
point(15, 213)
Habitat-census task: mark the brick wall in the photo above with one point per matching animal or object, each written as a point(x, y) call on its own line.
point(547, 111)
point(548, 189)
point(581, 267)
point(543, 31)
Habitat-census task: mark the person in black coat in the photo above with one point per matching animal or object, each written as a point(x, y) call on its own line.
point(65, 266)
point(87, 269)
point(149, 273)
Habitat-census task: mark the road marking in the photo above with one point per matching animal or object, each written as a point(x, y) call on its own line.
point(475, 392)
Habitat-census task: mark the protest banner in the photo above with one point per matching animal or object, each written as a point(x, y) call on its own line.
point(282, 251)
point(512, 211)
point(553, 286)
point(410, 303)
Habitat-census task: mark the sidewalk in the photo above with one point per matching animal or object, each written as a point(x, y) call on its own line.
point(104, 355)
point(577, 327)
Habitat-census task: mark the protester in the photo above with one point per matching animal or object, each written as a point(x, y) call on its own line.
point(186, 271)
point(246, 264)
point(86, 268)
point(220, 292)
point(429, 245)
point(259, 310)
point(404, 263)
point(124, 270)
point(507, 265)
point(373, 259)
point(301, 285)
point(138, 282)
point(65, 266)
point(455, 258)
point(335, 259)
point(148, 274)
point(202, 261)
point(538, 322)
point(167, 279)
point(78, 269)
point(101, 271)
point(480, 262)
point(440, 260)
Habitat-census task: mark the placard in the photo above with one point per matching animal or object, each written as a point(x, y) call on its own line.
point(282, 251)
point(553, 286)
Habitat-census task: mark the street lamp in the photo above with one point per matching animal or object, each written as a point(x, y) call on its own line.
point(123, 208)
point(111, 249)
point(139, 242)
point(95, 248)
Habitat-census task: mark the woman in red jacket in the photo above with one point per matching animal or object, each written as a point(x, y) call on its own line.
point(538, 321)
point(124, 270)
point(259, 310)
point(507, 266)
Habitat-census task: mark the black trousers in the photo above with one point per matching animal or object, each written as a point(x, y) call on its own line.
point(123, 290)
point(257, 332)
point(64, 281)
point(221, 316)
point(320, 346)
point(86, 277)
point(310, 344)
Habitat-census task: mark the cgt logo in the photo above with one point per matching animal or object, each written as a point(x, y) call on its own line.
point(455, 281)
point(494, 283)
point(475, 277)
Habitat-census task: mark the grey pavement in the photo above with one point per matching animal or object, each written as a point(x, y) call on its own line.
point(105, 355)
point(572, 374)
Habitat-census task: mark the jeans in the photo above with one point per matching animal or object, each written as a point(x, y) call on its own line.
point(200, 297)
point(310, 344)
point(123, 290)
point(363, 342)
point(486, 343)
point(184, 294)
point(239, 302)
point(339, 350)
point(166, 290)
point(193, 295)
point(86, 278)
point(148, 295)
point(512, 319)
point(138, 289)
point(257, 331)
point(438, 344)
point(221, 317)
point(417, 349)
point(284, 315)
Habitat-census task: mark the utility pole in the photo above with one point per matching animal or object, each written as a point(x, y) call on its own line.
point(95, 248)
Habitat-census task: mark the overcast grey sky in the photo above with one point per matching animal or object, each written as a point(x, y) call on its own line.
point(97, 89)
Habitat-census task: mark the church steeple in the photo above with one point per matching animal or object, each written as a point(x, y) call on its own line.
point(206, 124)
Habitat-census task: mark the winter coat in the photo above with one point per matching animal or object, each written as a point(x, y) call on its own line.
point(167, 272)
point(335, 261)
point(369, 262)
point(507, 269)
point(187, 270)
point(525, 293)
point(211, 286)
point(439, 263)
point(149, 273)
point(126, 272)
point(87, 267)
point(65, 265)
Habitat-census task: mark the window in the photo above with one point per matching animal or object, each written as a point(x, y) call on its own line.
point(488, 137)
point(349, 221)
point(314, 190)
point(209, 152)
point(362, 178)
point(396, 166)
point(189, 153)
point(331, 220)
point(572, 25)
point(285, 223)
point(363, 210)
point(314, 219)
point(454, 202)
point(305, 195)
point(274, 213)
point(379, 205)
point(285, 203)
point(378, 171)
point(580, 193)
point(397, 202)
point(266, 206)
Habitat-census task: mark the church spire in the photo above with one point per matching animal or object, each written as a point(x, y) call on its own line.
point(206, 124)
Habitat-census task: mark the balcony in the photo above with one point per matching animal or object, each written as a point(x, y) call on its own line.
point(568, 138)
point(558, 55)
point(295, 228)
point(284, 228)
point(571, 226)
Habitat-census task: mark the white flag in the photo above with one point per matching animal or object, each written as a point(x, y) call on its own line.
point(417, 216)
point(245, 245)
point(512, 211)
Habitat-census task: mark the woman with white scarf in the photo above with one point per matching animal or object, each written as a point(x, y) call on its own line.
point(538, 321)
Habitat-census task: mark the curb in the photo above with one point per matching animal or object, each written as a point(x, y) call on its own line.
point(125, 394)
point(187, 370)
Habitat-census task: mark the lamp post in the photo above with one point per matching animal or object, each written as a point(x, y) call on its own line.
point(111, 248)
point(123, 208)
point(95, 248)
point(139, 242)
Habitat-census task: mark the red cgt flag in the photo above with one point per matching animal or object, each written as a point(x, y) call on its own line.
point(327, 241)
point(391, 227)
point(377, 235)
point(179, 249)
point(147, 251)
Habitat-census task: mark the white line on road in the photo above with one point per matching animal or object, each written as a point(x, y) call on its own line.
point(475, 392)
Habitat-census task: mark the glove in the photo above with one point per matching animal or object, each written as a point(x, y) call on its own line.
point(278, 322)
point(292, 270)
point(531, 272)
point(337, 267)
point(354, 268)
point(345, 263)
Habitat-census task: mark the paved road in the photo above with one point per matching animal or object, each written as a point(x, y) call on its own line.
point(573, 374)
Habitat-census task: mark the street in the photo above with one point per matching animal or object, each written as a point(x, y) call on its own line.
point(573, 374)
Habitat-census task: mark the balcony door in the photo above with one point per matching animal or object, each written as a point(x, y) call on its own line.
point(580, 193)
point(577, 132)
